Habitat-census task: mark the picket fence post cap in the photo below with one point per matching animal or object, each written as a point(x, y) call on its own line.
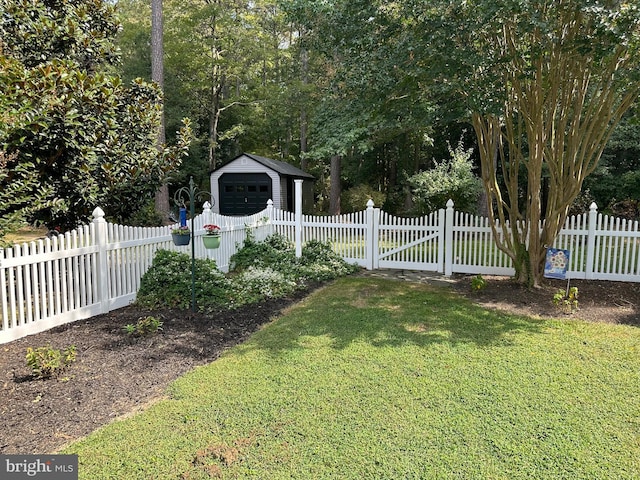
point(450, 203)
point(370, 203)
point(98, 213)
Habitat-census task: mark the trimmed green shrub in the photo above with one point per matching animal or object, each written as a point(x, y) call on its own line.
point(319, 262)
point(259, 283)
point(259, 271)
point(167, 283)
point(275, 251)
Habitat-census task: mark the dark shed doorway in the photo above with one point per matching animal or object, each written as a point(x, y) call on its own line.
point(244, 193)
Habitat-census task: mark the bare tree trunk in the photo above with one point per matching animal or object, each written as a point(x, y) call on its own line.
point(304, 61)
point(214, 118)
point(335, 189)
point(157, 75)
point(287, 143)
point(304, 163)
point(408, 197)
point(484, 201)
point(218, 84)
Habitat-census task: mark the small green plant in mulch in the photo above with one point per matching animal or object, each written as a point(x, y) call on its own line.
point(478, 283)
point(566, 301)
point(46, 362)
point(144, 326)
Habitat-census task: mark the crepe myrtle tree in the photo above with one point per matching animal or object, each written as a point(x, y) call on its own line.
point(545, 82)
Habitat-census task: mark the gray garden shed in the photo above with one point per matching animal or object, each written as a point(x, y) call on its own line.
point(245, 184)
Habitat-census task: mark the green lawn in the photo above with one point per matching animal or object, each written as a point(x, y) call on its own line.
point(375, 379)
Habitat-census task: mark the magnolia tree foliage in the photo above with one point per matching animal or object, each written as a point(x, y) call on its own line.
point(544, 82)
point(41, 30)
point(16, 197)
point(74, 135)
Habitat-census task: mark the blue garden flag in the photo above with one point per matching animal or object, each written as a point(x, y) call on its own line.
point(556, 263)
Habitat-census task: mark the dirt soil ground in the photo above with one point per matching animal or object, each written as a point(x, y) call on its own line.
point(115, 375)
point(598, 301)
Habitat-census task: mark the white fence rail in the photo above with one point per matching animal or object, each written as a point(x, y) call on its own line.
point(98, 267)
point(602, 247)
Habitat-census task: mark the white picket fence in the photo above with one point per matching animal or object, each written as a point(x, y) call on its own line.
point(602, 247)
point(98, 267)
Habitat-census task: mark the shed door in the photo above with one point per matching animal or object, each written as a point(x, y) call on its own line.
point(244, 193)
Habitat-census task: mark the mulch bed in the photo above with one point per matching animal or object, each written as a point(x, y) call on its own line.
point(115, 375)
point(598, 300)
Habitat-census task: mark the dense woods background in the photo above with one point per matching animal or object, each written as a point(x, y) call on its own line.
point(321, 83)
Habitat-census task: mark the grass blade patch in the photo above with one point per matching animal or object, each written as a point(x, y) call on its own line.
point(373, 379)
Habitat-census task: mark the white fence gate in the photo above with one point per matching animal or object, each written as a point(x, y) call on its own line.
point(408, 243)
point(602, 247)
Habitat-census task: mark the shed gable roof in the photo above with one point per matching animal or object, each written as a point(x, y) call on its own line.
point(282, 168)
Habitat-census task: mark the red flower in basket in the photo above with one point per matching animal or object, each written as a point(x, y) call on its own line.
point(212, 229)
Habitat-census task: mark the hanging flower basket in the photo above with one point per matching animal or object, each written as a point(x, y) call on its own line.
point(181, 236)
point(212, 237)
point(211, 241)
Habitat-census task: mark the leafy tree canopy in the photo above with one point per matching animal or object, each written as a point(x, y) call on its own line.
point(545, 83)
point(88, 139)
point(370, 97)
